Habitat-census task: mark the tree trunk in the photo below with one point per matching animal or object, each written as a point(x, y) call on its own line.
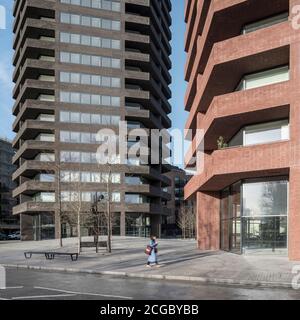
point(59, 209)
point(78, 232)
point(108, 214)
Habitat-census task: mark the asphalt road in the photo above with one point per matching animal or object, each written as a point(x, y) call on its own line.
point(25, 284)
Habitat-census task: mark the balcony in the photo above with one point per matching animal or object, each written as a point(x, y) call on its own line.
point(32, 68)
point(30, 168)
point(228, 113)
point(33, 207)
point(32, 48)
point(226, 166)
point(30, 110)
point(34, 28)
point(32, 187)
point(32, 148)
point(219, 13)
point(31, 128)
point(33, 89)
point(271, 50)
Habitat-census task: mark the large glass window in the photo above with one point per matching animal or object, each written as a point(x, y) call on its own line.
point(251, 27)
point(89, 21)
point(264, 78)
point(254, 215)
point(86, 98)
point(90, 79)
point(90, 40)
point(96, 4)
point(138, 225)
point(262, 133)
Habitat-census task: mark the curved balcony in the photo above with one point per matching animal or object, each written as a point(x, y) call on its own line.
point(271, 49)
point(219, 12)
point(228, 113)
point(226, 166)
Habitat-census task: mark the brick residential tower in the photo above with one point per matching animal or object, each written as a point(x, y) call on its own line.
point(243, 90)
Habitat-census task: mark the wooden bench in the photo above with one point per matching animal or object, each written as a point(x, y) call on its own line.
point(50, 255)
point(92, 244)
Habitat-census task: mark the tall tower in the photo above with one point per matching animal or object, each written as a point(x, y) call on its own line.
point(83, 65)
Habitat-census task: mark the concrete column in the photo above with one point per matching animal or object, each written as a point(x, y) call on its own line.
point(57, 224)
point(294, 214)
point(123, 224)
point(156, 225)
point(26, 226)
point(208, 220)
point(294, 178)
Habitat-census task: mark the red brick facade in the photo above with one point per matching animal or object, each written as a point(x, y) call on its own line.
point(218, 57)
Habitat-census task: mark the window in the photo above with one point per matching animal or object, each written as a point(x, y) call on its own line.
point(75, 38)
point(65, 57)
point(86, 40)
point(90, 41)
point(262, 133)
point(115, 178)
point(43, 177)
point(85, 176)
point(75, 157)
point(106, 62)
point(264, 214)
point(264, 78)
point(46, 157)
point(96, 177)
point(85, 157)
point(75, 176)
point(135, 199)
point(133, 181)
point(89, 21)
point(96, 4)
point(64, 18)
point(64, 77)
point(89, 79)
point(46, 117)
point(44, 197)
point(85, 98)
point(75, 117)
point(116, 63)
point(95, 118)
point(85, 118)
point(74, 137)
point(115, 101)
point(265, 23)
point(75, 58)
point(116, 197)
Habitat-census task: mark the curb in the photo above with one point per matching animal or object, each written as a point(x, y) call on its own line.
point(216, 281)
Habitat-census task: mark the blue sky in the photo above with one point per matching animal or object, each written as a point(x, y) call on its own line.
point(178, 115)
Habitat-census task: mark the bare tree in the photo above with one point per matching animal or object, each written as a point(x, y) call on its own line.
point(76, 208)
point(55, 168)
point(187, 221)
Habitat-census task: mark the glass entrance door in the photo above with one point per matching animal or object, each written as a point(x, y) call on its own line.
point(231, 219)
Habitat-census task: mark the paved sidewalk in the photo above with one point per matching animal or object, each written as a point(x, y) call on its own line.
point(179, 259)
